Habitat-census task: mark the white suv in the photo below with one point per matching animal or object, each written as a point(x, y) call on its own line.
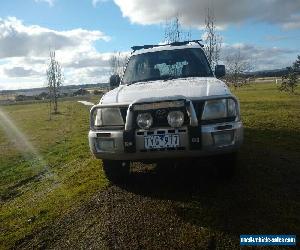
point(168, 105)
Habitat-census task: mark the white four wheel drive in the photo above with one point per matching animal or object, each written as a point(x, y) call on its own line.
point(168, 104)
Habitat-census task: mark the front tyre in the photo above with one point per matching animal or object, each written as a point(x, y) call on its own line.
point(116, 171)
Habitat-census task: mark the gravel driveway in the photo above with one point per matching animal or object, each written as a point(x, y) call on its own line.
point(169, 209)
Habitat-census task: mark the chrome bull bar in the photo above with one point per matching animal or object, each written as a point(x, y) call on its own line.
point(130, 111)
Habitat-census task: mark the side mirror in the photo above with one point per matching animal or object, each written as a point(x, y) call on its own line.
point(220, 71)
point(114, 81)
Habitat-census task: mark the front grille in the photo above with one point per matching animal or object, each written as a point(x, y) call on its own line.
point(161, 132)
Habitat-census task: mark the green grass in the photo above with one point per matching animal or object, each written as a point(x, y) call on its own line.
point(271, 118)
point(35, 192)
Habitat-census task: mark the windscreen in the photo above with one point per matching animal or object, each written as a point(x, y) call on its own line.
point(167, 64)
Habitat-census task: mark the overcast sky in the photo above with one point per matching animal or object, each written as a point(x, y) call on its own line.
point(85, 33)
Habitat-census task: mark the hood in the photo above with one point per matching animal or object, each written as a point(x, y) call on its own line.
point(191, 88)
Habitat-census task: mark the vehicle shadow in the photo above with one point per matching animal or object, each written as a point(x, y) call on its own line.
point(255, 200)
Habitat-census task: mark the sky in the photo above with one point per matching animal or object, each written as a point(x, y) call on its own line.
point(86, 33)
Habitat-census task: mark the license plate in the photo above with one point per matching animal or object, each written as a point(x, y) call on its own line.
point(161, 141)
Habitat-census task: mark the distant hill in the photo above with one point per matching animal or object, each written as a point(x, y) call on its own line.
point(64, 89)
point(268, 73)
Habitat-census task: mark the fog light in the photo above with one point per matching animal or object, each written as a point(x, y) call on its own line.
point(144, 120)
point(106, 144)
point(223, 138)
point(175, 119)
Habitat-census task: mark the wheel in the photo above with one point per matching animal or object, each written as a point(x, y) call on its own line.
point(226, 165)
point(116, 171)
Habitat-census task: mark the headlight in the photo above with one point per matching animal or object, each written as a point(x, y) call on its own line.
point(231, 108)
point(217, 109)
point(144, 120)
point(108, 117)
point(175, 119)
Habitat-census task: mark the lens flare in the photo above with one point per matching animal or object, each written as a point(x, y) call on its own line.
point(19, 139)
point(31, 155)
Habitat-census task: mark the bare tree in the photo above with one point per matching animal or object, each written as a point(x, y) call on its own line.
point(54, 81)
point(118, 63)
point(237, 65)
point(174, 32)
point(114, 64)
point(212, 41)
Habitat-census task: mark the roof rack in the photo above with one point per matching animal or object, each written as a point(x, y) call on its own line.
point(135, 48)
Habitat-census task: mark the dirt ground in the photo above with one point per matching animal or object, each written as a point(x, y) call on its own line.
point(168, 208)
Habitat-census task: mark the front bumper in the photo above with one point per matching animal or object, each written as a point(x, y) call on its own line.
point(110, 144)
